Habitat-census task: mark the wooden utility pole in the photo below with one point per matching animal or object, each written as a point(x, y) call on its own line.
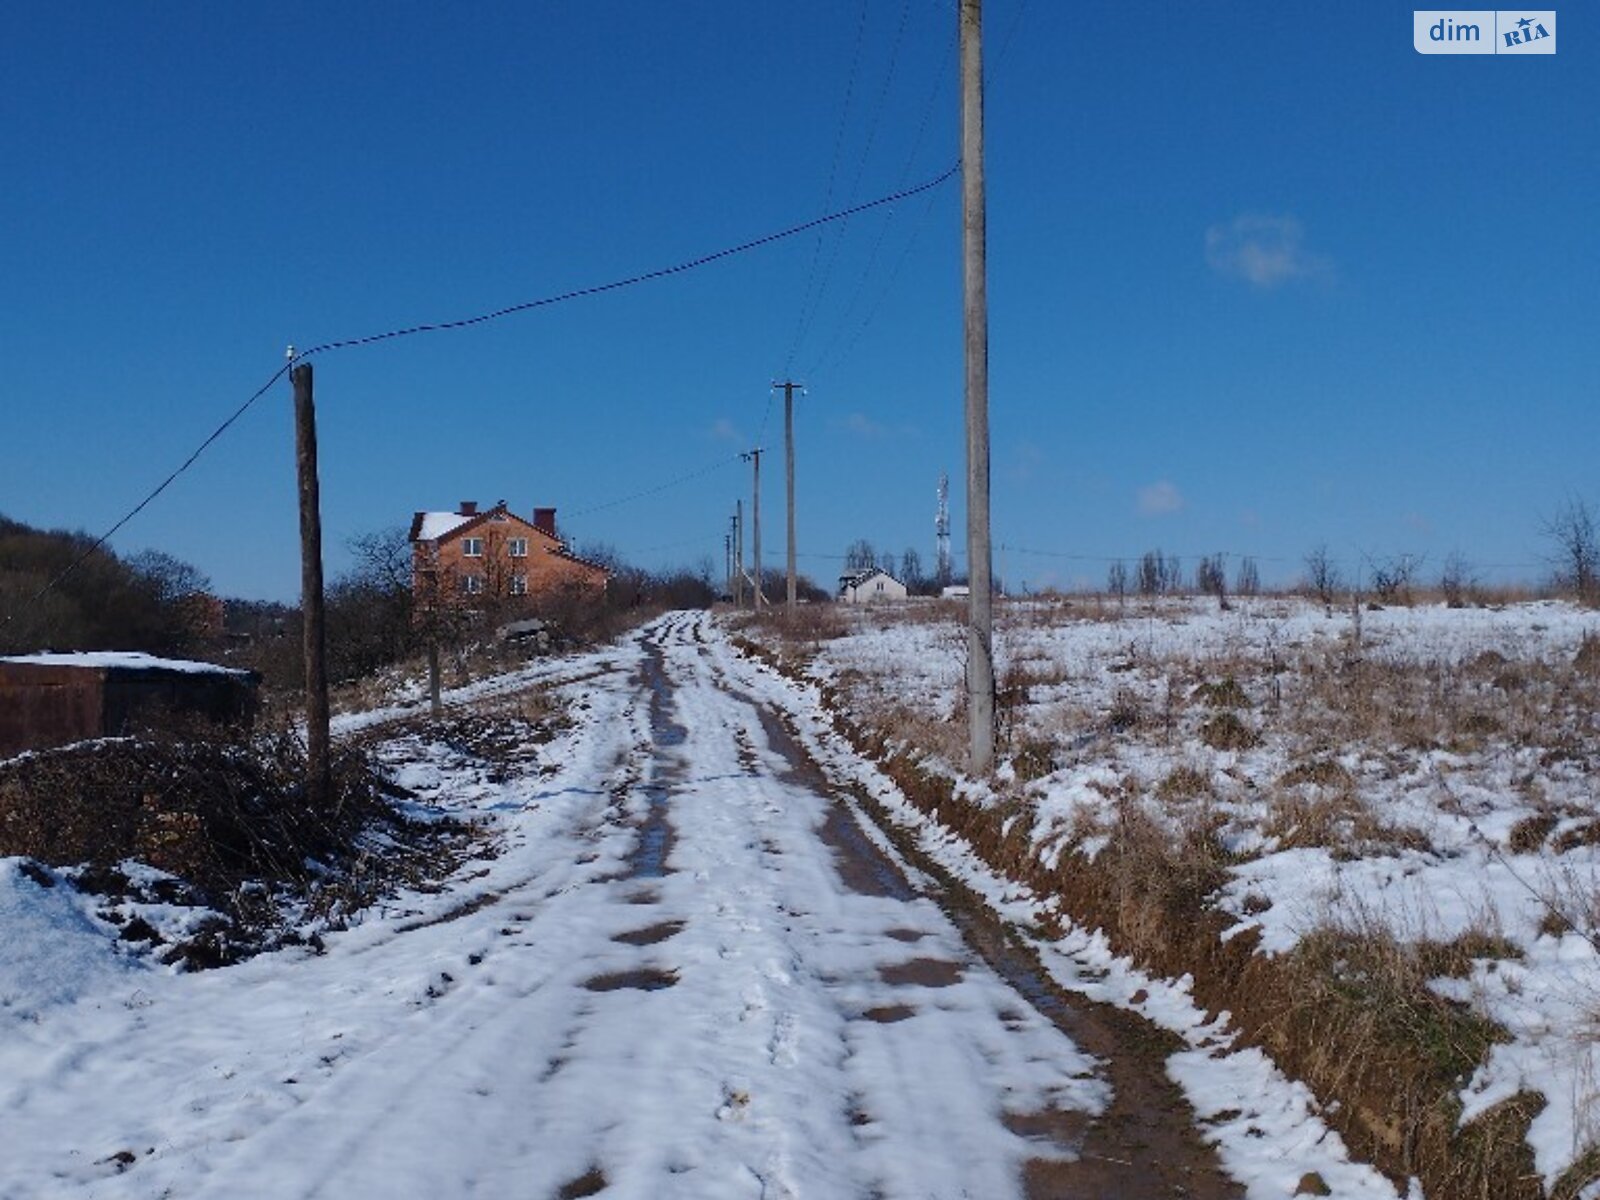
point(754, 456)
point(980, 626)
point(318, 776)
point(788, 455)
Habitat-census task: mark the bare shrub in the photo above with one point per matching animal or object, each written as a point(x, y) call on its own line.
point(1226, 731)
point(1458, 581)
point(1184, 783)
point(1224, 693)
point(1393, 578)
point(228, 817)
point(1323, 772)
point(1323, 576)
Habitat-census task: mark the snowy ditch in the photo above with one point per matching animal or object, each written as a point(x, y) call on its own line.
point(1450, 802)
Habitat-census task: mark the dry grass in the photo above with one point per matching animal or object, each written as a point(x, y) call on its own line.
point(1326, 722)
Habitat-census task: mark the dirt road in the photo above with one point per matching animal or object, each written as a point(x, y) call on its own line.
point(692, 971)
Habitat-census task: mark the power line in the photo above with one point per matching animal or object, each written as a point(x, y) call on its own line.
point(832, 353)
point(804, 319)
point(481, 319)
point(839, 232)
point(671, 483)
point(52, 584)
point(634, 280)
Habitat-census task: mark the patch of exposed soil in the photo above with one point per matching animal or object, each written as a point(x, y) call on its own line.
point(923, 972)
point(1145, 1146)
point(650, 935)
point(644, 979)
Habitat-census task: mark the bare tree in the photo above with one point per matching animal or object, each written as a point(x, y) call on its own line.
point(1151, 573)
point(1392, 577)
point(1576, 559)
point(860, 556)
point(1247, 580)
point(1211, 577)
point(171, 579)
point(1323, 576)
point(911, 570)
point(1117, 581)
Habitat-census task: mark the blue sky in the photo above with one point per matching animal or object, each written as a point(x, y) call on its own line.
point(1261, 276)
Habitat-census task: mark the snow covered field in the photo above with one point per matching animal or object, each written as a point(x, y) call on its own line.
point(1423, 773)
point(666, 983)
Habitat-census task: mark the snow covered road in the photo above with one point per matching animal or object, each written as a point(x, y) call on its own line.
point(689, 974)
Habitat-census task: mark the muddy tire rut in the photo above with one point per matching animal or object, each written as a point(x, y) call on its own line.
point(1146, 1145)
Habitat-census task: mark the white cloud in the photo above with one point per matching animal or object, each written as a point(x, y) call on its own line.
point(724, 430)
point(1158, 498)
point(1263, 251)
point(864, 426)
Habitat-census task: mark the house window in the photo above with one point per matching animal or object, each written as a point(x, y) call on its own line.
point(519, 584)
point(518, 547)
point(472, 585)
point(472, 547)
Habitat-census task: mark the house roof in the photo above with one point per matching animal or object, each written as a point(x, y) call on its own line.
point(434, 526)
point(431, 526)
point(119, 660)
point(856, 578)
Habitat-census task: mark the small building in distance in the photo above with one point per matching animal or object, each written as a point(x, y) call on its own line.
point(475, 558)
point(869, 585)
point(53, 699)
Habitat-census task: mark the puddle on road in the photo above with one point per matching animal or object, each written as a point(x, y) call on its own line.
point(1145, 1146)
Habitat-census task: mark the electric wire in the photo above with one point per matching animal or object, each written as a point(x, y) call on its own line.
point(802, 319)
point(100, 541)
point(657, 489)
point(827, 356)
point(482, 319)
point(831, 353)
point(839, 231)
point(634, 280)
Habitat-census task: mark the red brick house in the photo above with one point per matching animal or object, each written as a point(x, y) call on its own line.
point(496, 556)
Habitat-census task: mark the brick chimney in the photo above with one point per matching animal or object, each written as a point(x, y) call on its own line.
point(469, 508)
point(545, 519)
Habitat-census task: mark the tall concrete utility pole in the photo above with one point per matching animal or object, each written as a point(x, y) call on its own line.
point(319, 779)
point(754, 456)
point(788, 455)
point(980, 626)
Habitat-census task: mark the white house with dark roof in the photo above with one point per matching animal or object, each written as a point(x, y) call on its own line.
point(871, 584)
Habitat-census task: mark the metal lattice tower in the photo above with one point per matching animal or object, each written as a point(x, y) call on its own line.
point(941, 530)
